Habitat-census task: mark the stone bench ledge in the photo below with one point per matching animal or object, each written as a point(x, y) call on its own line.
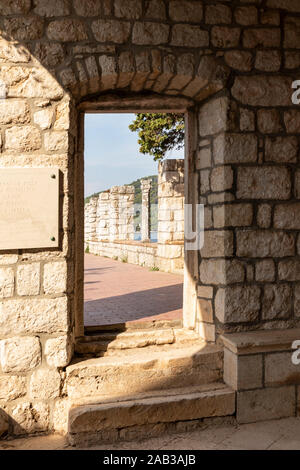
point(261, 341)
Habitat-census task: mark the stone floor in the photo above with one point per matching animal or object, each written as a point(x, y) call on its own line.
point(281, 434)
point(117, 292)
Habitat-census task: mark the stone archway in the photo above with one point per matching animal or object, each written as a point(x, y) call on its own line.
point(230, 61)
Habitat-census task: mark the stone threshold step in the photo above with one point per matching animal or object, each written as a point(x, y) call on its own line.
point(97, 422)
point(107, 342)
point(134, 325)
point(145, 369)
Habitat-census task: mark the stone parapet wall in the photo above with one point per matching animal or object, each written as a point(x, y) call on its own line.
point(165, 257)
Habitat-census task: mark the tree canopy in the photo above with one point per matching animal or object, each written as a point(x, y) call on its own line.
point(159, 133)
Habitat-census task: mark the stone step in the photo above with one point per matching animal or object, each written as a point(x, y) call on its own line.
point(145, 369)
point(109, 342)
point(134, 325)
point(126, 419)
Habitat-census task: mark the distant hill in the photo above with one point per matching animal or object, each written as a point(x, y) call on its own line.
point(137, 190)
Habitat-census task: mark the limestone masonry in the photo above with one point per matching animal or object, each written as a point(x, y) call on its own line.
point(229, 65)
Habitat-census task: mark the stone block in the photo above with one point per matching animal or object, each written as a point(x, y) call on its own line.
point(264, 214)
point(266, 403)
point(58, 351)
point(24, 315)
point(218, 14)
point(221, 178)
point(292, 32)
point(232, 215)
point(246, 15)
point(67, 30)
point(29, 418)
point(50, 9)
point(243, 372)
point(264, 244)
point(14, 7)
point(184, 35)
point(185, 11)
point(268, 61)
point(28, 279)
point(292, 121)
point(276, 302)
point(14, 111)
point(45, 384)
point(7, 282)
point(111, 30)
point(269, 182)
point(281, 149)
point(12, 387)
point(289, 270)
point(287, 5)
point(224, 37)
point(262, 37)
point(205, 292)
point(213, 116)
point(56, 141)
point(20, 354)
point(217, 243)
point(237, 304)
point(24, 28)
point(265, 270)
point(87, 8)
point(150, 33)
point(55, 277)
point(132, 9)
point(221, 271)
point(204, 310)
point(22, 139)
point(261, 90)
point(235, 148)
point(268, 121)
point(287, 216)
point(280, 370)
point(43, 118)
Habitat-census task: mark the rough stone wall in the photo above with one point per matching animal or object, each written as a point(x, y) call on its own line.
point(57, 54)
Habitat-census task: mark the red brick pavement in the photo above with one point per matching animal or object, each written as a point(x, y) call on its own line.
point(116, 292)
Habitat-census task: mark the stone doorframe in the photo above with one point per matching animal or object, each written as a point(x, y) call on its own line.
point(113, 103)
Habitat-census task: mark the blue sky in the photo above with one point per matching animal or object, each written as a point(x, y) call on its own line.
point(112, 153)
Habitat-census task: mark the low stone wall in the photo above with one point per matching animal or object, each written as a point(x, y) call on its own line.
point(165, 257)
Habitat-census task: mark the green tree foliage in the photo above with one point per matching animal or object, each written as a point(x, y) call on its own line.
point(159, 133)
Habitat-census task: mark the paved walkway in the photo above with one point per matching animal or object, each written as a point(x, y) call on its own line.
point(117, 292)
point(281, 434)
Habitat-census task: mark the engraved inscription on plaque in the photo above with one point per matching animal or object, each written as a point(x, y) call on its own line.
point(29, 208)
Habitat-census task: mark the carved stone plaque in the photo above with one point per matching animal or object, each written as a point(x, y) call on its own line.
point(29, 208)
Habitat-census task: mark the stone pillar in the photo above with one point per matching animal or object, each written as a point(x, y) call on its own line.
point(103, 216)
point(126, 212)
point(114, 213)
point(145, 187)
point(121, 213)
point(170, 201)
